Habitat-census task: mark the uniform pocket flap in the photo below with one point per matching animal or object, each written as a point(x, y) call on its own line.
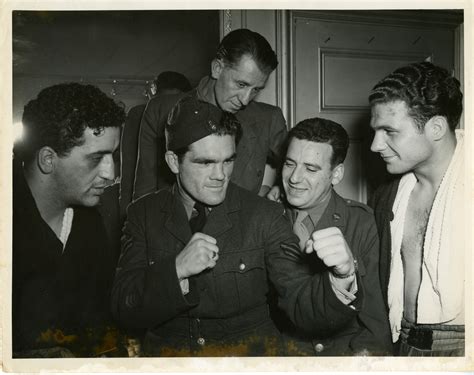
point(240, 262)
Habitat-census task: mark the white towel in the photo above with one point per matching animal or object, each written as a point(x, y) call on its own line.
point(441, 294)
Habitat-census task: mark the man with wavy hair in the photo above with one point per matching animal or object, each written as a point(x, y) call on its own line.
point(62, 267)
point(415, 111)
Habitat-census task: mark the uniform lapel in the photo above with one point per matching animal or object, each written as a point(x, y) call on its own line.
point(222, 219)
point(334, 215)
point(176, 220)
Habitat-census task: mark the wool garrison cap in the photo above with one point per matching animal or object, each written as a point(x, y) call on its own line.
point(189, 121)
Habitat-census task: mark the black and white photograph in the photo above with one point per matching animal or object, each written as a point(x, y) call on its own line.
point(235, 187)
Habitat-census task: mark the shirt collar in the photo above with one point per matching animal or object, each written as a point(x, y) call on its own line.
point(315, 213)
point(205, 90)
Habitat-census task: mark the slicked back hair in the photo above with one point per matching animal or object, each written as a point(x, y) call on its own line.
point(427, 90)
point(321, 130)
point(242, 42)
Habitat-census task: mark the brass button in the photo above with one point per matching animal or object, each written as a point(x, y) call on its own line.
point(201, 341)
point(319, 347)
point(242, 266)
point(336, 216)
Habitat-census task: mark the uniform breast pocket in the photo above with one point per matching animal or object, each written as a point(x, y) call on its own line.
point(241, 281)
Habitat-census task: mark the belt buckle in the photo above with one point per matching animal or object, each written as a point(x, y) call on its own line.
point(420, 338)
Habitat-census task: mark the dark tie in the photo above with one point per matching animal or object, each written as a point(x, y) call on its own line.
point(198, 221)
point(300, 229)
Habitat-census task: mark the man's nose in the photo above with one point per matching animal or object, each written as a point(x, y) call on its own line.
point(107, 168)
point(296, 175)
point(218, 172)
point(245, 96)
point(378, 143)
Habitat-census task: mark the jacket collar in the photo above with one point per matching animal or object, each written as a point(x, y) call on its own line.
point(218, 221)
point(205, 90)
point(335, 214)
point(176, 219)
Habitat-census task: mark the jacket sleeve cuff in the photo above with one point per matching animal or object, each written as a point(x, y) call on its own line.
point(335, 302)
point(162, 277)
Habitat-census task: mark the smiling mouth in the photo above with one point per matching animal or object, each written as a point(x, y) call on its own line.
point(295, 190)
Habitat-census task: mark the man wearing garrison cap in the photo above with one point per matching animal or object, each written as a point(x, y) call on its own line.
point(192, 271)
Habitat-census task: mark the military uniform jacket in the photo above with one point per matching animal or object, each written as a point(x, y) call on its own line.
point(225, 302)
point(263, 134)
point(321, 319)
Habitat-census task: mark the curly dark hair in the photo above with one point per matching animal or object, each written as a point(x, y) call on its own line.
point(427, 90)
point(321, 130)
point(246, 42)
point(59, 115)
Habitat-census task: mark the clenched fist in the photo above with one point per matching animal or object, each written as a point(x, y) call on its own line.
point(331, 247)
point(200, 253)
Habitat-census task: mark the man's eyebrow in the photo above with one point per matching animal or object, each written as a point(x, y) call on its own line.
point(314, 165)
point(382, 126)
point(203, 160)
point(102, 152)
point(232, 157)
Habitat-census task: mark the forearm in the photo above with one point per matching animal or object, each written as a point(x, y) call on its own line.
point(307, 298)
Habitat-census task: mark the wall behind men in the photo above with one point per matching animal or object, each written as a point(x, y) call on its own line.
point(119, 51)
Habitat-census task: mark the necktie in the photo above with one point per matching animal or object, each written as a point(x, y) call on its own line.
point(198, 221)
point(300, 229)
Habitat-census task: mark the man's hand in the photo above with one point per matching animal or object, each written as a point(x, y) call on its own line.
point(200, 253)
point(331, 247)
point(274, 194)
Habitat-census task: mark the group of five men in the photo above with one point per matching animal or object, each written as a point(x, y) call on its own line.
point(207, 266)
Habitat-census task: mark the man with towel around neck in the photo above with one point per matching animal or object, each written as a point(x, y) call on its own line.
point(419, 215)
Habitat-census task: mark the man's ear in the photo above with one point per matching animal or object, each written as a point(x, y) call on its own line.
point(437, 127)
point(46, 159)
point(217, 66)
point(172, 161)
point(337, 174)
